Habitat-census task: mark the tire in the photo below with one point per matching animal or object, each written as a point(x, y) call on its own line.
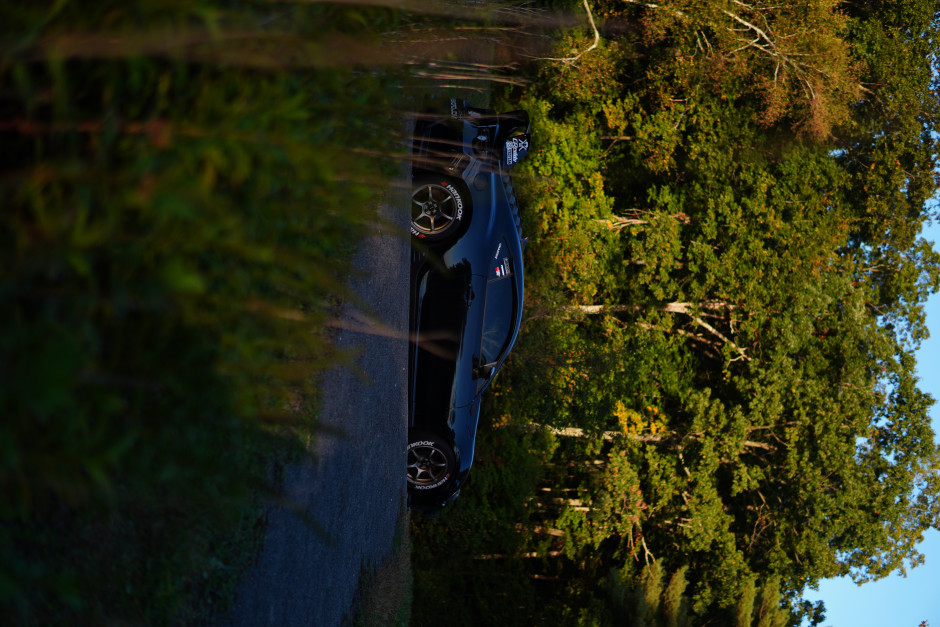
point(438, 209)
point(431, 462)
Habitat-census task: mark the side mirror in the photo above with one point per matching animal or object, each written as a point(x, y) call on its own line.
point(483, 372)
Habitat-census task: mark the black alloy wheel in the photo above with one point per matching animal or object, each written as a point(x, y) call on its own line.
point(438, 208)
point(430, 462)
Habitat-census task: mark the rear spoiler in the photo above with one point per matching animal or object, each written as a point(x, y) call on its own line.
point(512, 129)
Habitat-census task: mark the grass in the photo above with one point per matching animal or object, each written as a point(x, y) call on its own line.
point(174, 224)
point(385, 592)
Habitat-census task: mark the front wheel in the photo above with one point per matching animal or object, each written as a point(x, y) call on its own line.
point(438, 208)
point(431, 462)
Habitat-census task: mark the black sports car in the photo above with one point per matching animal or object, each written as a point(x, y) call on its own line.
point(466, 286)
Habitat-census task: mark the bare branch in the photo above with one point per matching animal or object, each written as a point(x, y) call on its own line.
point(597, 40)
point(674, 307)
point(650, 5)
point(717, 334)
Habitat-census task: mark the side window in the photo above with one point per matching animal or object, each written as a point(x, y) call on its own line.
point(499, 312)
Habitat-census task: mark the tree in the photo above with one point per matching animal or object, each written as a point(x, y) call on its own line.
point(732, 335)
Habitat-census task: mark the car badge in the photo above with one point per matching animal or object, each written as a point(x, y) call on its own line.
point(503, 270)
point(515, 148)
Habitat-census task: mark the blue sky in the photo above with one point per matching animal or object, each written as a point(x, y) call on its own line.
point(897, 601)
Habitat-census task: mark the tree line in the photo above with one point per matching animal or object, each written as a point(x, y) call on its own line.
point(714, 394)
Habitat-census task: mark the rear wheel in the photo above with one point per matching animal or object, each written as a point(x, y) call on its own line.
point(438, 208)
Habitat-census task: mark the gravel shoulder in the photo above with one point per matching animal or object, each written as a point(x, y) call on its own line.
point(353, 487)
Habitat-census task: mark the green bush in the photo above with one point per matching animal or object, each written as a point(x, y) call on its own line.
point(179, 193)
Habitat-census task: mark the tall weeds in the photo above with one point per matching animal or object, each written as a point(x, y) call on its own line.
point(180, 185)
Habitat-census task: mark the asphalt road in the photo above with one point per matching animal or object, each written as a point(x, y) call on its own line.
point(354, 485)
